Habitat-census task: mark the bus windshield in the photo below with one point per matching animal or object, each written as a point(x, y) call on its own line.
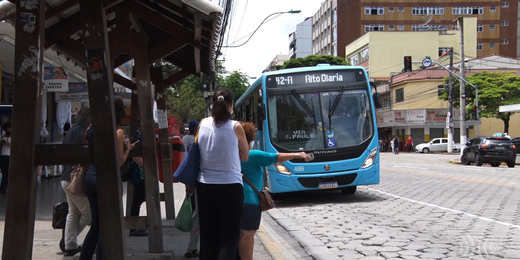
point(311, 120)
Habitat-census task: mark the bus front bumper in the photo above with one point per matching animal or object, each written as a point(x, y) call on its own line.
point(279, 183)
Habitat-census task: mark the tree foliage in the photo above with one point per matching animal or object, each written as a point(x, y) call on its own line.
point(237, 82)
point(495, 89)
point(313, 60)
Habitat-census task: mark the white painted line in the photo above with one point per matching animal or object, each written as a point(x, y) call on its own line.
point(447, 209)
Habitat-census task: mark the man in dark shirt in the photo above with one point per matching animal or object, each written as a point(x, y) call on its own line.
point(79, 208)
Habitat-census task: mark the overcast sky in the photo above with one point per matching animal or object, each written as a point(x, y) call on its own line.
point(272, 37)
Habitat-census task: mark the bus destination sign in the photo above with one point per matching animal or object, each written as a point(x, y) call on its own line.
point(315, 78)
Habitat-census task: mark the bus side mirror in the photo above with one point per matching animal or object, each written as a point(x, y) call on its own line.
point(378, 103)
point(261, 116)
point(377, 100)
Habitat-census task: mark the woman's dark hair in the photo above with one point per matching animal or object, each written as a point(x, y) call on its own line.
point(119, 109)
point(222, 99)
point(249, 130)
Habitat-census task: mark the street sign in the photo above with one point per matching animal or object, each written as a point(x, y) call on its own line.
point(427, 62)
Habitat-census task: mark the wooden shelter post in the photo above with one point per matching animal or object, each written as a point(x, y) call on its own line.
point(28, 75)
point(99, 77)
point(165, 145)
point(149, 153)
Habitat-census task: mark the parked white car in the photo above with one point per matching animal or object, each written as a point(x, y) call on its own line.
point(436, 145)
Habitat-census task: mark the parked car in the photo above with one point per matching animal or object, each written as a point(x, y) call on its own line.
point(516, 142)
point(492, 150)
point(436, 145)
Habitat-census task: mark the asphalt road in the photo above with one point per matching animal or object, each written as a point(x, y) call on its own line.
point(424, 208)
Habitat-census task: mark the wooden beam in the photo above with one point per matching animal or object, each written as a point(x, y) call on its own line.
point(158, 20)
point(60, 154)
point(124, 82)
point(165, 144)
point(145, 98)
point(21, 202)
point(101, 96)
point(176, 77)
point(61, 8)
point(166, 48)
point(136, 23)
point(135, 222)
point(72, 49)
point(197, 39)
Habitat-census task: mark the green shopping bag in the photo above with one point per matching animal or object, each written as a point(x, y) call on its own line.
point(183, 220)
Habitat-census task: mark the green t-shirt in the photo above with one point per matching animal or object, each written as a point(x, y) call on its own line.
point(253, 169)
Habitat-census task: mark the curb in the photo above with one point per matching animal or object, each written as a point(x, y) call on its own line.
point(313, 246)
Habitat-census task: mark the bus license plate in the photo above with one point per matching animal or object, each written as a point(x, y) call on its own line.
point(328, 185)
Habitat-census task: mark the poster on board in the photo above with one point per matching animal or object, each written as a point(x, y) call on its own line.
point(55, 79)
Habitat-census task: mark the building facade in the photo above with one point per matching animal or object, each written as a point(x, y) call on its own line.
point(339, 23)
point(276, 62)
point(300, 41)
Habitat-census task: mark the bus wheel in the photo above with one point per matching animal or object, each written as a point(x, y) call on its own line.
point(349, 190)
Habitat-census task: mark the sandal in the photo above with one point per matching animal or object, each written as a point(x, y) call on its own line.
point(191, 253)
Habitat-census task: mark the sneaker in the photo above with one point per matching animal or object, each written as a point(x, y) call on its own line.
point(138, 233)
point(191, 254)
point(72, 252)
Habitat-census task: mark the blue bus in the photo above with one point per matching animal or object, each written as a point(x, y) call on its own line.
point(328, 111)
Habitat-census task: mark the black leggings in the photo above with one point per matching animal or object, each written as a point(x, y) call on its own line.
point(220, 210)
point(138, 198)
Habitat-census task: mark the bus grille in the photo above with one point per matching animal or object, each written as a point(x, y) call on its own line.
point(314, 182)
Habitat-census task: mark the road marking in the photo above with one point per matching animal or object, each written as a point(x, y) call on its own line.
point(446, 209)
point(271, 246)
point(515, 185)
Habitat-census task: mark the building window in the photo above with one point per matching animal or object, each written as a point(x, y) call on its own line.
point(480, 46)
point(391, 27)
point(387, 102)
point(427, 10)
point(505, 23)
point(480, 28)
point(364, 55)
point(415, 27)
point(354, 60)
point(374, 27)
point(391, 9)
point(399, 95)
point(505, 4)
point(400, 9)
point(443, 50)
point(455, 27)
point(491, 45)
point(400, 27)
point(492, 9)
point(468, 10)
point(371, 10)
point(492, 27)
point(504, 42)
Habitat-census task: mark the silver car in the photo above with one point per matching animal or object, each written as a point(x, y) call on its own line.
point(436, 145)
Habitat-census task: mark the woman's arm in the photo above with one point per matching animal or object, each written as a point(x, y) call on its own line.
point(282, 157)
point(123, 153)
point(243, 146)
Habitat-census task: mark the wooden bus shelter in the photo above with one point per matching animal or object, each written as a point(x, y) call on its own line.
point(100, 35)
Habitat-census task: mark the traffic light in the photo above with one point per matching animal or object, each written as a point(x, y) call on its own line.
point(407, 63)
point(474, 113)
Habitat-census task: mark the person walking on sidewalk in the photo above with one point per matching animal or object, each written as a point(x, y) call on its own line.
point(220, 194)
point(4, 158)
point(193, 244)
point(137, 181)
point(79, 209)
point(409, 144)
point(253, 170)
point(396, 145)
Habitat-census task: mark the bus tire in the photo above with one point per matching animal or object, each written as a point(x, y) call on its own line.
point(349, 190)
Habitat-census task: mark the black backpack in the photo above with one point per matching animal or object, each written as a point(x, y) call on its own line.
point(59, 215)
point(126, 169)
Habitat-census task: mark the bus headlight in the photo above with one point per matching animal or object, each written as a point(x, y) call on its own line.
point(370, 159)
point(282, 169)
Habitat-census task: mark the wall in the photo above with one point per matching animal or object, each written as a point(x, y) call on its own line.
point(419, 94)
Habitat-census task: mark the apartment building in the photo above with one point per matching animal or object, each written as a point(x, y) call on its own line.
point(277, 62)
point(338, 23)
point(300, 42)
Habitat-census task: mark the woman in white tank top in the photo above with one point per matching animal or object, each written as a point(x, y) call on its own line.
point(220, 195)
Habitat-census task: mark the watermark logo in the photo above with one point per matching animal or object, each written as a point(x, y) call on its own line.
point(470, 246)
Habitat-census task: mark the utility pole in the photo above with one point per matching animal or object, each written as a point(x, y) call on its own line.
point(450, 106)
point(462, 87)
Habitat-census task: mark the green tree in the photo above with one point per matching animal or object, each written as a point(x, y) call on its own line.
point(185, 101)
point(495, 89)
point(237, 82)
point(313, 60)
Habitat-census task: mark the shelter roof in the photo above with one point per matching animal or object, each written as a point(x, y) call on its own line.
point(182, 32)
